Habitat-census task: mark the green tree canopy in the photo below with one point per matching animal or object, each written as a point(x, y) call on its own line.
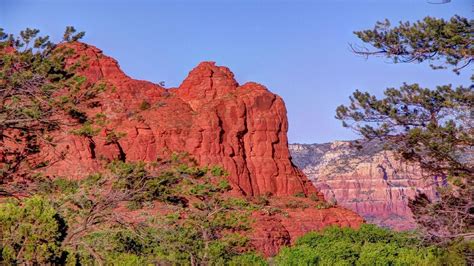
point(369, 245)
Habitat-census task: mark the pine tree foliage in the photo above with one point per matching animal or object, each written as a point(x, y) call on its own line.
point(430, 39)
point(31, 232)
point(433, 127)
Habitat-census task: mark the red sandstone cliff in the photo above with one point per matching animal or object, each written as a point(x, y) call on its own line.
point(215, 120)
point(370, 181)
point(243, 128)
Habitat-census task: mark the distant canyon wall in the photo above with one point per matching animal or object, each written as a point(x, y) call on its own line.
point(369, 181)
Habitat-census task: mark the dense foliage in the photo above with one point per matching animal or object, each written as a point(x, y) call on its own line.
point(369, 245)
point(166, 212)
point(172, 212)
point(34, 231)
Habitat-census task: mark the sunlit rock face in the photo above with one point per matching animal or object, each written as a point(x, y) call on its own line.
point(209, 116)
point(370, 181)
point(242, 128)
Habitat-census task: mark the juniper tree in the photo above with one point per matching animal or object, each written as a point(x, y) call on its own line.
point(31, 232)
point(39, 93)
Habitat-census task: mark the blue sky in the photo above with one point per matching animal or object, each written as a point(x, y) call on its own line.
point(298, 49)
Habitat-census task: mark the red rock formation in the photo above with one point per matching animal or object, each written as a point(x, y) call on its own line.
point(291, 217)
point(210, 116)
point(243, 128)
point(371, 182)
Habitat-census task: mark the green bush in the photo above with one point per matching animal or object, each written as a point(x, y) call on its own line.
point(248, 259)
point(224, 185)
point(218, 171)
point(370, 245)
point(296, 256)
point(392, 254)
point(144, 105)
point(30, 232)
point(191, 170)
point(86, 130)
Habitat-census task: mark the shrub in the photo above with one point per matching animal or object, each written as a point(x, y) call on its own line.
point(144, 105)
point(294, 204)
point(370, 245)
point(191, 170)
point(224, 185)
point(86, 130)
point(300, 195)
point(218, 171)
point(261, 200)
point(273, 210)
point(248, 259)
point(114, 137)
point(324, 205)
point(31, 232)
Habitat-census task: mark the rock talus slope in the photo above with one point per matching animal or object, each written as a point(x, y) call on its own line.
point(370, 181)
point(209, 116)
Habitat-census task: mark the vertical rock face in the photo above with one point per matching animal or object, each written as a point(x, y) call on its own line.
point(243, 128)
point(371, 181)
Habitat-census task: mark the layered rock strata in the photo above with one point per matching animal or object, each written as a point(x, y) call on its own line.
point(370, 181)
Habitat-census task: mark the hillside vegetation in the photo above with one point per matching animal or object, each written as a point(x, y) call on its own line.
point(175, 213)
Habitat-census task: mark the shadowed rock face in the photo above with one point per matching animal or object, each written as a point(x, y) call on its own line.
point(209, 116)
point(370, 181)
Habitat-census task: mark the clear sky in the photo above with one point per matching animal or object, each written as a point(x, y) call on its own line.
point(298, 49)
